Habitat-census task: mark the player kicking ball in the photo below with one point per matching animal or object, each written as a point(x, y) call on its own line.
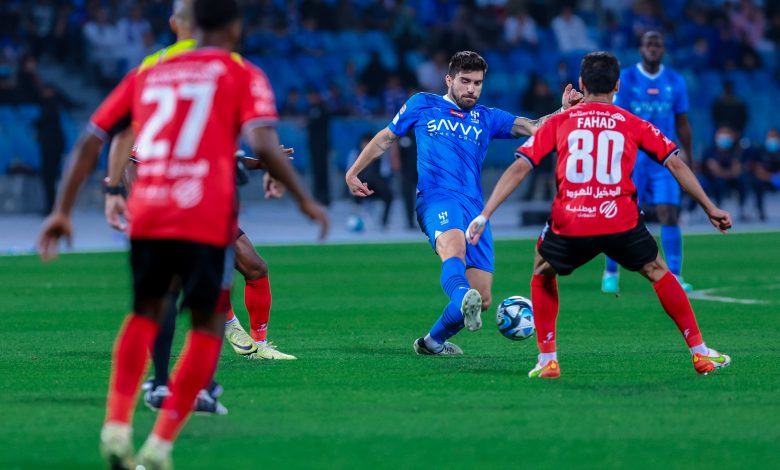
point(595, 210)
point(453, 133)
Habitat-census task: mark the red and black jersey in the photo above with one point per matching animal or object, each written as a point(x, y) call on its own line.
point(597, 146)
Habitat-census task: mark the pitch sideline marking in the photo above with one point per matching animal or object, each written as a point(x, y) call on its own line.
point(706, 294)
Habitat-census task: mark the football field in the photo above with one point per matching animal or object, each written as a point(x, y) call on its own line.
point(358, 397)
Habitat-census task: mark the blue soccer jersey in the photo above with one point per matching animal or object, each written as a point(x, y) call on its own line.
point(657, 99)
point(451, 143)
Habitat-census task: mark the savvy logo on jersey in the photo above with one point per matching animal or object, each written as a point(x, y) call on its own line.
point(437, 125)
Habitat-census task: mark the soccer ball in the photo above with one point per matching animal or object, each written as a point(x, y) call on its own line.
point(355, 224)
point(515, 318)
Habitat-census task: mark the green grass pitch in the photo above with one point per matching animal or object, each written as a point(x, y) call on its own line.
point(359, 397)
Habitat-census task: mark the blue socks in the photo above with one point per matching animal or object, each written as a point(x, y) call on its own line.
point(455, 285)
point(671, 240)
point(612, 266)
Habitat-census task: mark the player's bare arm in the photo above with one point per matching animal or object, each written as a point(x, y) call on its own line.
point(58, 225)
point(685, 134)
point(719, 218)
point(119, 151)
point(509, 181)
point(379, 144)
point(264, 142)
point(526, 127)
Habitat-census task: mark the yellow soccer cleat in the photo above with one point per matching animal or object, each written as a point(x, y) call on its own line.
point(267, 350)
point(116, 446)
point(241, 342)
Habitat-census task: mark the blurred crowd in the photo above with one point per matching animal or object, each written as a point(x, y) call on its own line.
point(334, 58)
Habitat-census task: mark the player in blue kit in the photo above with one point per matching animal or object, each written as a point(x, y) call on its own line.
point(658, 95)
point(453, 133)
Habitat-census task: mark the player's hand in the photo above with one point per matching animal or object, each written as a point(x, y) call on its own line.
point(273, 187)
point(476, 229)
point(116, 208)
point(317, 213)
point(357, 187)
point(56, 226)
point(720, 219)
point(570, 97)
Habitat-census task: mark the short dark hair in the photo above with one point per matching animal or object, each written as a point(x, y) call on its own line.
point(211, 15)
point(466, 61)
point(600, 72)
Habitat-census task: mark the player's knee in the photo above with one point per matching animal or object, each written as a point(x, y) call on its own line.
point(668, 214)
point(257, 269)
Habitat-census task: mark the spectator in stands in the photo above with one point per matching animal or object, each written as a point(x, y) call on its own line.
point(615, 36)
point(764, 170)
point(28, 82)
point(309, 39)
point(646, 16)
point(394, 95)
point(723, 168)
point(430, 74)
point(336, 102)
point(571, 32)
point(374, 75)
point(293, 105)
point(407, 33)
point(361, 103)
point(748, 23)
point(51, 140)
point(730, 110)
point(131, 31)
point(318, 127)
point(102, 39)
point(378, 175)
point(41, 17)
point(537, 101)
point(726, 50)
point(520, 28)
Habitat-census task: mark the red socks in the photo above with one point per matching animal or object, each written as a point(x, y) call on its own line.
point(230, 314)
point(131, 355)
point(193, 372)
point(678, 307)
point(544, 296)
point(257, 296)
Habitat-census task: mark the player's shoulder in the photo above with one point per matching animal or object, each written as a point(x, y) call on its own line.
point(674, 76)
point(629, 72)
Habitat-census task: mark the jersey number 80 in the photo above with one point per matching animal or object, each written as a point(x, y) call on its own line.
point(609, 152)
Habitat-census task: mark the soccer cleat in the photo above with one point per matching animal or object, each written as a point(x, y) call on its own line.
point(471, 308)
point(154, 397)
point(241, 342)
point(704, 364)
point(449, 349)
point(550, 370)
point(207, 404)
point(687, 287)
point(154, 455)
point(267, 350)
point(116, 446)
point(610, 283)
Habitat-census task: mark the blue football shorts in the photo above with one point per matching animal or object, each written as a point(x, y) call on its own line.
point(654, 183)
point(442, 210)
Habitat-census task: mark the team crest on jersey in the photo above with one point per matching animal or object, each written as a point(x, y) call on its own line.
point(457, 113)
point(618, 117)
point(187, 193)
point(474, 117)
point(444, 218)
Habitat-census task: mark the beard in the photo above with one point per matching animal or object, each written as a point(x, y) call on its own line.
point(464, 104)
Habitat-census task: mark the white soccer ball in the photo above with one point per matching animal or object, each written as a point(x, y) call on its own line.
point(515, 318)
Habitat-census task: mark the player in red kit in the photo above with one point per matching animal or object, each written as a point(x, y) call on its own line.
point(595, 210)
point(184, 212)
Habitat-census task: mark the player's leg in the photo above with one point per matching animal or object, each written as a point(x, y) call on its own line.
point(442, 218)
point(257, 298)
point(206, 273)
point(152, 275)
point(555, 255)
point(241, 342)
point(482, 281)
point(667, 195)
point(158, 389)
point(636, 250)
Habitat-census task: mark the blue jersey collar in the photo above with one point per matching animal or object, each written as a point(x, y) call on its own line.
point(651, 76)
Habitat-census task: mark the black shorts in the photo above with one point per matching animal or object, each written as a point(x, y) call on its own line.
point(631, 249)
point(204, 271)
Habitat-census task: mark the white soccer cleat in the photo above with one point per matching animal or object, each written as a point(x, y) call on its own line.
point(116, 446)
point(471, 308)
point(267, 350)
point(449, 349)
point(241, 342)
point(155, 454)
